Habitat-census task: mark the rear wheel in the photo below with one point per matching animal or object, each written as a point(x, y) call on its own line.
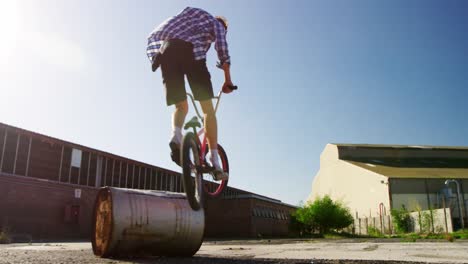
point(212, 187)
point(192, 178)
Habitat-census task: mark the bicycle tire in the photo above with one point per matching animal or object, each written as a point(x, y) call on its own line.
point(192, 179)
point(218, 190)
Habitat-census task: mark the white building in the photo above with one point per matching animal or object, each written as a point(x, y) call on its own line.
point(372, 179)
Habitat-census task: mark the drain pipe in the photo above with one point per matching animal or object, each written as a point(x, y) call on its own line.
point(382, 211)
point(460, 202)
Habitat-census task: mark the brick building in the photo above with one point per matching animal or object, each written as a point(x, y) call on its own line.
point(48, 187)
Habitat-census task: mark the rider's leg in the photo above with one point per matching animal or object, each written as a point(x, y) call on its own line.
point(173, 76)
point(211, 132)
point(200, 81)
point(211, 126)
point(178, 119)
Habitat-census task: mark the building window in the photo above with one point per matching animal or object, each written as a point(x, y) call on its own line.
point(76, 158)
point(411, 193)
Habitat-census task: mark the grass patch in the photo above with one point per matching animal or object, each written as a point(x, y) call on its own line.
point(461, 234)
point(308, 235)
point(374, 232)
point(405, 237)
point(335, 236)
point(343, 235)
point(408, 237)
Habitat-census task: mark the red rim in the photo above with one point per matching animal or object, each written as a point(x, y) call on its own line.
point(223, 183)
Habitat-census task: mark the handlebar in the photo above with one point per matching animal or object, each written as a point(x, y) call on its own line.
point(232, 87)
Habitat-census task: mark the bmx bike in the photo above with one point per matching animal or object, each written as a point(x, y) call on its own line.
point(197, 175)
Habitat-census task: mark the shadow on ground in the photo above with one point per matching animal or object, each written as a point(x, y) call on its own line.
point(211, 260)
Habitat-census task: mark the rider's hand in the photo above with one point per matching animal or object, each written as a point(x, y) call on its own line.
point(227, 78)
point(226, 86)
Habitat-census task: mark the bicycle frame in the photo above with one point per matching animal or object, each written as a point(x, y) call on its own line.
point(195, 105)
point(201, 132)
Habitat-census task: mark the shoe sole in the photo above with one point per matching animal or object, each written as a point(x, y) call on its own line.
point(220, 179)
point(175, 152)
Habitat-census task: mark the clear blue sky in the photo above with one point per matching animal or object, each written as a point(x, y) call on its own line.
point(309, 72)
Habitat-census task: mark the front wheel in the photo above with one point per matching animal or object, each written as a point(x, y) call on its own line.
point(192, 178)
point(215, 188)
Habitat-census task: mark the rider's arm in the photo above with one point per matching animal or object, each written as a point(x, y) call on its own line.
point(227, 72)
point(227, 78)
point(221, 45)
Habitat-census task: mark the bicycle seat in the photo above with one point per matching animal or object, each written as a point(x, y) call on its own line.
point(192, 123)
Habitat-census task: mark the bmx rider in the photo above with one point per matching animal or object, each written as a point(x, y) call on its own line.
point(179, 47)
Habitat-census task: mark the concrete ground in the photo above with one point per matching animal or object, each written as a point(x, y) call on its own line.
point(255, 251)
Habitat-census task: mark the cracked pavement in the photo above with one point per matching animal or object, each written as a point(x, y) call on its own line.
point(258, 251)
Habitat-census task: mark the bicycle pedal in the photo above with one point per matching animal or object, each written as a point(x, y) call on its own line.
point(206, 169)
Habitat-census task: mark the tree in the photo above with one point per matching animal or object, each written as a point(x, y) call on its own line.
point(323, 214)
point(296, 227)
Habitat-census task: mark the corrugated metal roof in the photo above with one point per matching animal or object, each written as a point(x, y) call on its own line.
point(402, 146)
point(401, 172)
point(414, 162)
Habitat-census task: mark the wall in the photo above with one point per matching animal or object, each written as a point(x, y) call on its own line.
point(422, 194)
point(382, 224)
point(228, 218)
point(269, 219)
point(43, 210)
point(361, 190)
point(437, 221)
point(440, 222)
point(246, 217)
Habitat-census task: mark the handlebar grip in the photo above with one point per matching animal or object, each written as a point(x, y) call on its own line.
point(232, 87)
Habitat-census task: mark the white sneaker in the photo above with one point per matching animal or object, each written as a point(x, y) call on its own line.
point(218, 173)
point(175, 139)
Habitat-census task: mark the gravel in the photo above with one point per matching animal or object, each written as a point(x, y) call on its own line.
point(253, 252)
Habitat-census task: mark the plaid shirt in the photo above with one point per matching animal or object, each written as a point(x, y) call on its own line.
point(193, 25)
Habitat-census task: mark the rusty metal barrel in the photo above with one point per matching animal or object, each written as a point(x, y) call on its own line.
point(130, 222)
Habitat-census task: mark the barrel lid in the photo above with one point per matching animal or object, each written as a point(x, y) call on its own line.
point(163, 194)
point(103, 223)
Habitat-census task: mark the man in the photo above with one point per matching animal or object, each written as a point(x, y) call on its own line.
point(179, 47)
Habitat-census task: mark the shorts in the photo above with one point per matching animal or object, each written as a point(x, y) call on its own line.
point(177, 61)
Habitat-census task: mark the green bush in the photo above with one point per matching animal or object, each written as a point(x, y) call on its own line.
point(401, 219)
point(427, 220)
point(4, 238)
point(296, 227)
point(323, 215)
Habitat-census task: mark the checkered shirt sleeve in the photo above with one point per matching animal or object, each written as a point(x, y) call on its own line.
point(221, 45)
